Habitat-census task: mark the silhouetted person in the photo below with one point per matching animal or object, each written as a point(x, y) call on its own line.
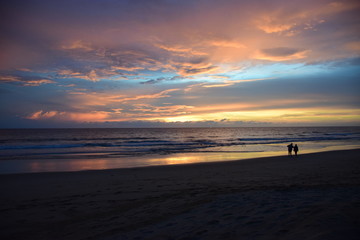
point(296, 149)
point(290, 148)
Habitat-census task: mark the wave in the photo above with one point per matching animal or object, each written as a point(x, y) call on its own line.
point(134, 144)
point(295, 139)
point(72, 139)
point(5, 147)
point(301, 137)
point(133, 141)
point(147, 143)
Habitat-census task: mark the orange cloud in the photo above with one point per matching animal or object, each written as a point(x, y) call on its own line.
point(227, 83)
point(280, 54)
point(282, 20)
point(218, 109)
point(226, 43)
point(224, 83)
point(128, 69)
point(92, 75)
point(10, 79)
point(84, 101)
point(79, 45)
point(181, 50)
point(37, 82)
point(162, 94)
point(192, 67)
point(24, 81)
point(270, 25)
point(173, 109)
point(94, 116)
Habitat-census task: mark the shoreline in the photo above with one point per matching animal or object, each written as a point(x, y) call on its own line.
point(64, 162)
point(278, 155)
point(313, 196)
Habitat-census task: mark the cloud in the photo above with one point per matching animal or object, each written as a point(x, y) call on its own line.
point(154, 81)
point(228, 83)
point(281, 51)
point(37, 82)
point(127, 69)
point(111, 99)
point(92, 75)
point(78, 45)
point(129, 60)
point(193, 66)
point(188, 71)
point(290, 20)
point(42, 115)
point(140, 111)
point(161, 79)
point(269, 25)
point(121, 24)
point(148, 111)
point(162, 94)
point(226, 43)
point(139, 55)
point(25, 81)
point(120, 39)
point(281, 54)
point(179, 50)
point(178, 124)
point(93, 116)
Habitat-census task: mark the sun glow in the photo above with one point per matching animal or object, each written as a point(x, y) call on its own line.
point(271, 116)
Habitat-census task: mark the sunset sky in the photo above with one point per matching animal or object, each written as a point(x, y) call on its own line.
point(179, 63)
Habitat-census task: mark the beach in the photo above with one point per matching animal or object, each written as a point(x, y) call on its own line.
point(311, 196)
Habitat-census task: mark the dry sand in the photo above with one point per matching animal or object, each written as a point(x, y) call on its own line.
point(313, 196)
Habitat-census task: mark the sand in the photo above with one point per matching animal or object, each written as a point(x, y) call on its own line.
point(313, 196)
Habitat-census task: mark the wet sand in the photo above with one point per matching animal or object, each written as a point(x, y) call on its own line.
point(313, 196)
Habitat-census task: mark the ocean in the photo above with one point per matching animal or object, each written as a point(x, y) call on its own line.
point(43, 150)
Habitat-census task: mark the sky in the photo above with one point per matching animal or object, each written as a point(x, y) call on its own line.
point(179, 63)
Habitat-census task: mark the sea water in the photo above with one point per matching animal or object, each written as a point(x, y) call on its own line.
point(40, 150)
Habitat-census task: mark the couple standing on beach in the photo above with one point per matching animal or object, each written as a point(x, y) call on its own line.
point(291, 147)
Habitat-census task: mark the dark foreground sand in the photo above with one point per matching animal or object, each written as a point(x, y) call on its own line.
point(314, 196)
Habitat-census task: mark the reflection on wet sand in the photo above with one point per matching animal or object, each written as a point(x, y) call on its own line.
point(79, 162)
point(186, 158)
point(68, 165)
point(85, 162)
